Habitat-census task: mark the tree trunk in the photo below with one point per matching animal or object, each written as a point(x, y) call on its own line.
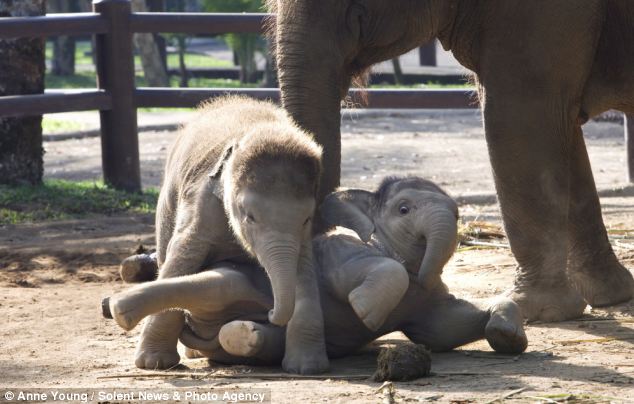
point(21, 72)
point(153, 67)
point(63, 63)
point(244, 47)
point(182, 48)
point(398, 72)
point(270, 68)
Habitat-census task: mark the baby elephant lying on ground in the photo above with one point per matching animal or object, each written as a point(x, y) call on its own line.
point(383, 277)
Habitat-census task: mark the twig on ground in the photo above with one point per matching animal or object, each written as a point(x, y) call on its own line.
point(466, 373)
point(476, 243)
point(506, 395)
point(388, 391)
point(251, 375)
point(596, 319)
point(489, 355)
point(540, 398)
point(599, 340)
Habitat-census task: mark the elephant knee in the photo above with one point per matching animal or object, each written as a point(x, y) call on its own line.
point(394, 278)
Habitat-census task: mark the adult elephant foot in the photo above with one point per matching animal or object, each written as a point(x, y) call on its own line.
point(593, 268)
point(603, 283)
point(505, 329)
point(548, 304)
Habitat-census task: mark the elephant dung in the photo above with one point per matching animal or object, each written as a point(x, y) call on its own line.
point(403, 362)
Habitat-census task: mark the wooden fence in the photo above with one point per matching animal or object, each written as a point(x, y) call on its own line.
point(117, 98)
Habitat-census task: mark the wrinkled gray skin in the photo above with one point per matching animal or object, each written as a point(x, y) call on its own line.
point(543, 67)
point(240, 184)
point(367, 287)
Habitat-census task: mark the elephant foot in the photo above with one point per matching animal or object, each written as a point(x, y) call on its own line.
point(126, 309)
point(305, 358)
point(139, 268)
point(373, 315)
point(381, 291)
point(157, 343)
point(548, 304)
point(242, 338)
point(603, 284)
point(156, 354)
point(505, 329)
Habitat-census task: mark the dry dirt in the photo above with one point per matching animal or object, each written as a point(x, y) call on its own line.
point(54, 275)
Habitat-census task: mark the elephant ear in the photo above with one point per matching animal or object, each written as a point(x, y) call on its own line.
point(350, 208)
point(217, 169)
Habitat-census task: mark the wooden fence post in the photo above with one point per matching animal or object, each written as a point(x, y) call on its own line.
point(115, 74)
point(628, 124)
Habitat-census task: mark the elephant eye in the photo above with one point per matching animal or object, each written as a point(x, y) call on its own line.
point(307, 221)
point(250, 218)
point(403, 210)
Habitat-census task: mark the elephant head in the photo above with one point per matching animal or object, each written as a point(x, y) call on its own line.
point(323, 45)
point(411, 218)
point(269, 180)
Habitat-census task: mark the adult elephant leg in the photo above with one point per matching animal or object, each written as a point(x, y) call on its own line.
point(533, 70)
point(529, 138)
point(592, 266)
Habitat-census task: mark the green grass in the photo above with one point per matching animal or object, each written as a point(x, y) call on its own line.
point(85, 79)
point(54, 125)
point(192, 60)
point(59, 199)
point(88, 79)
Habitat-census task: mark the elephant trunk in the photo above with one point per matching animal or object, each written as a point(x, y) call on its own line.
point(280, 258)
point(438, 224)
point(312, 86)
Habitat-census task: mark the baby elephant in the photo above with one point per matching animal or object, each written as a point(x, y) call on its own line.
point(368, 288)
point(240, 185)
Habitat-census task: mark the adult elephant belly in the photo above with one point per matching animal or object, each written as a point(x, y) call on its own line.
point(611, 83)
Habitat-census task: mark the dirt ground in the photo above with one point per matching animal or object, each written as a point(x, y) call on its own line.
point(54, 275)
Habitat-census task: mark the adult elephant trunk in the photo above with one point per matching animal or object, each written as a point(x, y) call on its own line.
point(312, 84)
point(438, 224)
point(279, 254)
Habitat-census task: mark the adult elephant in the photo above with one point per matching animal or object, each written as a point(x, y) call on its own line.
point(543, 68)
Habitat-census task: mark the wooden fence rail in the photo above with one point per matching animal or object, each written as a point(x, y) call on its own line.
point(117, 98)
